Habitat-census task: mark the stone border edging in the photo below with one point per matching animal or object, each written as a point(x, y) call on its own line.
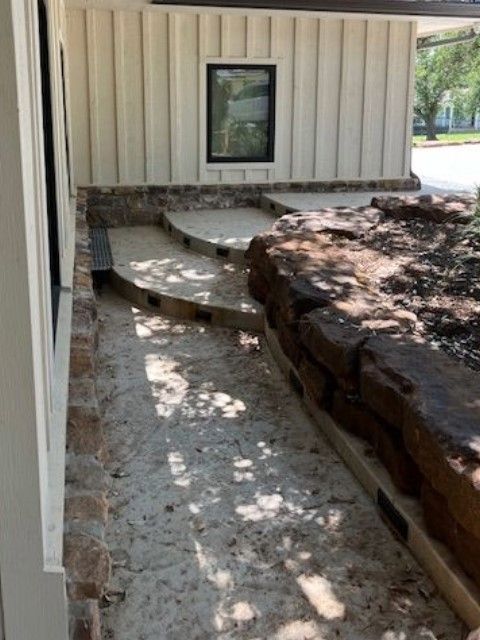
point(185, 309)
point(86, 557)
point(437, 560)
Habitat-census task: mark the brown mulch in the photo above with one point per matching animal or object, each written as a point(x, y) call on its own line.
point(438, 279)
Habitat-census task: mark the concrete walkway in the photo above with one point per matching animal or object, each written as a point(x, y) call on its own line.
point(231, 516)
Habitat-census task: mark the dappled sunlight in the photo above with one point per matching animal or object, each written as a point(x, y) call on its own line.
point(207, 563)
point(299, 630)
point(246, 525)
point(319, 593)
point(239, 613)
point(266, 507)
point(178, 469)
point(152, 261)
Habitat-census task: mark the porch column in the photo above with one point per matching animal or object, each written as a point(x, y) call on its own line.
point(33, 593)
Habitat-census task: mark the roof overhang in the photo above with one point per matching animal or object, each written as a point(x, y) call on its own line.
point(415, 8)
point(431, 16)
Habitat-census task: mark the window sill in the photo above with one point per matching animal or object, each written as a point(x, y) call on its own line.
point(238, 166)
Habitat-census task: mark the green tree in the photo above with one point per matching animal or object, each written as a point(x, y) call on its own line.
point(471, 100)
point(439, 70)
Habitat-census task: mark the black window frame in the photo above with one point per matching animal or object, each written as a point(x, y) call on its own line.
point(271, 69)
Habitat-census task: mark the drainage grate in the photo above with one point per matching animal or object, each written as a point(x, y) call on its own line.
point(101, 252)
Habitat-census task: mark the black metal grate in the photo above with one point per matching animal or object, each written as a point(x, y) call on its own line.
point(101, 252)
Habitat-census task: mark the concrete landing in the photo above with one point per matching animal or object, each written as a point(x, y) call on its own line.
point(218, 233)
point(279, 204)
point(153, 270)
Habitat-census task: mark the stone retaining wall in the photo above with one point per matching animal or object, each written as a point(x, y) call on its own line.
point(86, 557)
point(126, 206)
point(361, 359)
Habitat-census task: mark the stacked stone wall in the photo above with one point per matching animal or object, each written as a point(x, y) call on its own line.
point(127, 206)
point(360, 359)
point(86, 557)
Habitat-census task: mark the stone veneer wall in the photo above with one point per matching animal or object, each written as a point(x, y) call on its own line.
point(86, 557)
point(358, 358)
point(126, 206)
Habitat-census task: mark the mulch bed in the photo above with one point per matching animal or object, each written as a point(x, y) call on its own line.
point(438, 280)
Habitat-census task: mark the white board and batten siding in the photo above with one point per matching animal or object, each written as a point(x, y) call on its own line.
point(138, 85)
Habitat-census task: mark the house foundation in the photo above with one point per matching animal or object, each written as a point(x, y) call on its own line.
point(86, 557)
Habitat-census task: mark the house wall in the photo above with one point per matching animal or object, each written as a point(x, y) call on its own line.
point(344, 94)
point(33, 373)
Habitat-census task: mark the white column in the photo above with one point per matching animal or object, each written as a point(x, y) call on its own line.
point(33, 594)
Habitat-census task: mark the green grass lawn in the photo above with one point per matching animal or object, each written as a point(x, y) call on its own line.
point(451, 137)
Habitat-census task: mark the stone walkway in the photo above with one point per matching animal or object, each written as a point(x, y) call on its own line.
point(231, 517)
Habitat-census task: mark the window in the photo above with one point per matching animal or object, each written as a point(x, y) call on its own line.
point(241, 113)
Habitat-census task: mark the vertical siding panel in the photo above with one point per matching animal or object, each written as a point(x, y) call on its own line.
point(224, 34)
point(157, 96)
point(330, 42)
point(237, 36)
point(92, 90)
point(407, 165)
point(282, 48)
point(250, 37)
point(297, 115)
point(148, 96)
point(305, 97)
point(79, 102)
point(398, 80)
point(130, 91)
point(187, 88)
point(173, 50)
point(374, 99)
point(351, 101)
point(213, 40)
point(119, 47)
point(102, 96)
point(202, 97)
point(258, 36)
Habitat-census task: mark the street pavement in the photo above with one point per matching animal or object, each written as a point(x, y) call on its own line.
point(450, 168)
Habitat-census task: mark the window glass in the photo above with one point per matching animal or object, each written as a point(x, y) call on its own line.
point(241, 113)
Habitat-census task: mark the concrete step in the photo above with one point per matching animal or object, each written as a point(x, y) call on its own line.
point(279, 204)
point(217, 233)
point(152, 270)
